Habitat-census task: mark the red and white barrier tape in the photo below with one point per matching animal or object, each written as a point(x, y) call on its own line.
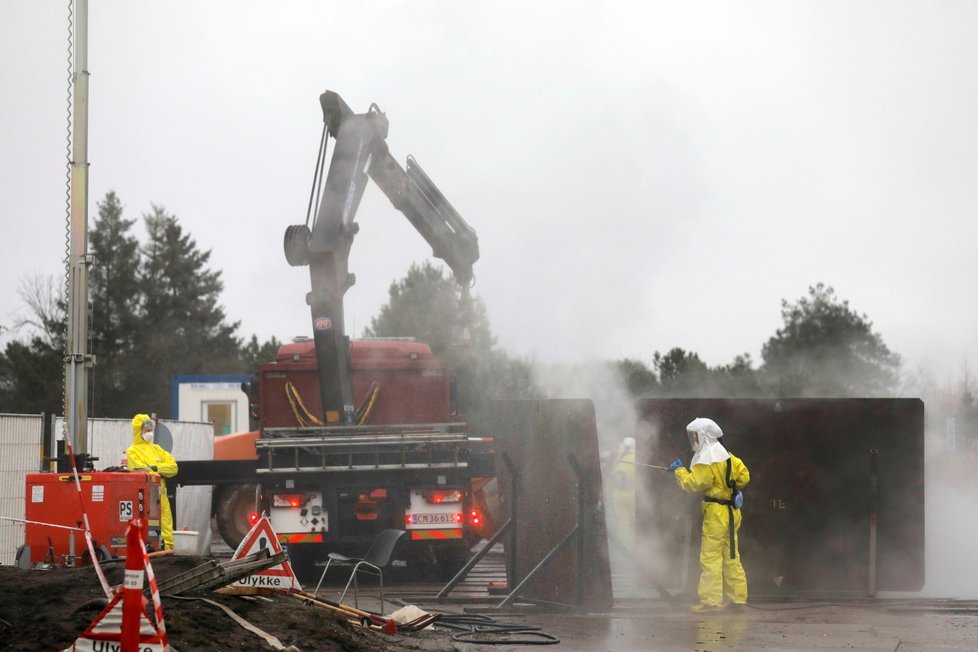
point(23, 520)
point(88, 528)
point(153, 589)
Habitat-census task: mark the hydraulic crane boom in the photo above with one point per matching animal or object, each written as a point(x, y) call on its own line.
point(360, 151)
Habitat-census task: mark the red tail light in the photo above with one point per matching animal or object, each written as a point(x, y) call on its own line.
point(253, 518)
point(474, 517)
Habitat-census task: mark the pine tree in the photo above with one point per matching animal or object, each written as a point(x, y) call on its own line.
point(825, 349)
point(429, 306)
point(184, 329)
point(254, 353)
point(116, 310)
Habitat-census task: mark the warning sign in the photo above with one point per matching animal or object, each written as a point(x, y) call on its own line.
point(279, 577)
point(105, 632)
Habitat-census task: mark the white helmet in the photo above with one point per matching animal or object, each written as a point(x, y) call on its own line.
point(628, 445)
point(703, 435)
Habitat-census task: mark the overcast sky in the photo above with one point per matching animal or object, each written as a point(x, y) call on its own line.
point(642, 175)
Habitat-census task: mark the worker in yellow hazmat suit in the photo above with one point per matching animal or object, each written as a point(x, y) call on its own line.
point(623, 488)
point(718, 476)
point(146, 456)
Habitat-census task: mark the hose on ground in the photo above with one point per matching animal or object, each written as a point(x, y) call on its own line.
point(482, 630)
point(272, 641)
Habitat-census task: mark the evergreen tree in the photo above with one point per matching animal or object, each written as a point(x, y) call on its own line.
point(31, 377)
point(184, 328)
point(682, 373)
point(430, 307)
point(154, 314)
point(737, 379)
point(254, 353)
point(639, 379)
point(116, 310)
point(825, 349)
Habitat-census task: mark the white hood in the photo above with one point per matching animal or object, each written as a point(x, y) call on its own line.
point(706, 448)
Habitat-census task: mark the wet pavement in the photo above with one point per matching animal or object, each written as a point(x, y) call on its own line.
point(659, 625)
point(644, 620)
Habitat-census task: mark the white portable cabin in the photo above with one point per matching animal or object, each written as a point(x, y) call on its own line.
point(216, 399)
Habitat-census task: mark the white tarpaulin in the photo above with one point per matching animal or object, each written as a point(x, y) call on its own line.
point(20, 454)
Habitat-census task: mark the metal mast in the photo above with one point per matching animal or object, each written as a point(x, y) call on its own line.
point(77, 359)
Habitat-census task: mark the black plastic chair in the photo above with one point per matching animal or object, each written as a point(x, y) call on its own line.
point(373, 562)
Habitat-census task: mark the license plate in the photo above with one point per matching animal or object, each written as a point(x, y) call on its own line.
point(434, 519)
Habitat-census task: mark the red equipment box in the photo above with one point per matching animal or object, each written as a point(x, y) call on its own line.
point(111, 499)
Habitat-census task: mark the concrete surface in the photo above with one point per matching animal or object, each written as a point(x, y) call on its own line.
point(643, 620)
point(657, 625)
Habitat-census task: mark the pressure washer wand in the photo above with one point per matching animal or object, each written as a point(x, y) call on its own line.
point(650, 466)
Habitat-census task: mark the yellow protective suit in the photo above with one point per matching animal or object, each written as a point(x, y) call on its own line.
point(719, 573)
point(623, 488)
point(153, 458)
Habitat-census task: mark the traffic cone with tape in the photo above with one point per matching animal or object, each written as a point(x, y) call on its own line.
point(128, 607)
point(133, 601)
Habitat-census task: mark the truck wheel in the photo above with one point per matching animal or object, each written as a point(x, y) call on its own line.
point(234, 506)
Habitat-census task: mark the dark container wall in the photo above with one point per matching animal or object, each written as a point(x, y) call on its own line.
point(538, 437)
point(807, 514)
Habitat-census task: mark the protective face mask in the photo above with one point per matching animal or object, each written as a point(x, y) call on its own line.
point(148, 436)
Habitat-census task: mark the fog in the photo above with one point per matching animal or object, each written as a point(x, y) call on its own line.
point(950, 491)
point(614, 409)
point(951, 530)
point(642, 175)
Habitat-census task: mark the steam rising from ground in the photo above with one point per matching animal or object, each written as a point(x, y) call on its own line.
point(616, 418)
point(951, 537)
point(951, 529)
point(600, 382)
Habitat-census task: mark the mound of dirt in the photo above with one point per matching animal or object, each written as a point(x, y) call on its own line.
point(49, 609)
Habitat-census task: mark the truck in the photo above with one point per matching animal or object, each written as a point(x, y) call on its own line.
point(354, 437)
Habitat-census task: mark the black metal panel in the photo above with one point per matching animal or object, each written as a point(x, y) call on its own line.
point(201, 472)
point(538, 437)
point(809, 503)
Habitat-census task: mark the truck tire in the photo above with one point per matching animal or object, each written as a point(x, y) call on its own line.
point(233, 506)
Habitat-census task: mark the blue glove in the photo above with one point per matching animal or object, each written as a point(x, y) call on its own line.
point(676, 463)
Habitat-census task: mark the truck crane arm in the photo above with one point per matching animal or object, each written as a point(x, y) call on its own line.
point(414, 194)
point(360, 151)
